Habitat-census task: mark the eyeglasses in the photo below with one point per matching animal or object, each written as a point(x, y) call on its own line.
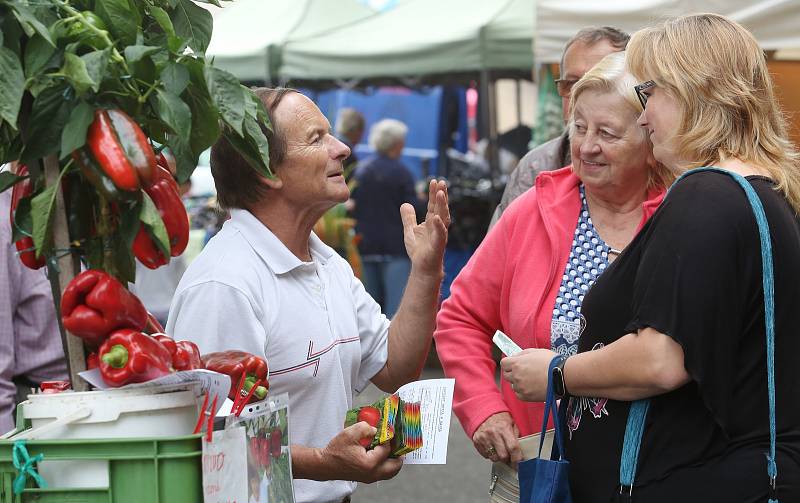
point(564, 86)
point(643, 87)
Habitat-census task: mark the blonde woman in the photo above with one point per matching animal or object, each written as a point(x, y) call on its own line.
point(680, 316)
point(529, 276)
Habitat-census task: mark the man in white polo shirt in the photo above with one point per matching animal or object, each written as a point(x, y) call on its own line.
point(267, 285)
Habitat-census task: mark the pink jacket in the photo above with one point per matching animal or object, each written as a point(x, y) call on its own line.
point(510, 284)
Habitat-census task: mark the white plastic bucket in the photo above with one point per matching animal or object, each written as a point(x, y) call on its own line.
point(158, 411)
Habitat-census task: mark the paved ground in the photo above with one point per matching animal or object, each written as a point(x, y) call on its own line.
point(464, 479)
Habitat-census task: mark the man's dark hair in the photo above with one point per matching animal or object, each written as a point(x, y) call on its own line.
point(593, 34)
point(238, 183)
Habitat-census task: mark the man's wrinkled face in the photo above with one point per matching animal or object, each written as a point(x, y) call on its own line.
point(579, 59)
point(311, 171)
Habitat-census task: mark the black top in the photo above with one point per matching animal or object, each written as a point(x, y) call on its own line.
point(694, 273)
point(383, 185)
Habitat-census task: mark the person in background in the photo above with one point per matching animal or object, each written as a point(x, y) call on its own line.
point(529, 276)
point(267, 285)
point(383, 183)
point(581, 53)
point(30, 341)
point(680, 316)
point(349, 129)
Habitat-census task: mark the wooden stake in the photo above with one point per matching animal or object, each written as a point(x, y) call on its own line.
point(68, 268)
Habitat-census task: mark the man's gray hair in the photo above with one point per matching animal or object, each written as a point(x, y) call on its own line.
point(348, 120)
point(387, 133)
point(592, 35)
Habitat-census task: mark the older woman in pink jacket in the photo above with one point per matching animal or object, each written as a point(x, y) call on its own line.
point(530, 274)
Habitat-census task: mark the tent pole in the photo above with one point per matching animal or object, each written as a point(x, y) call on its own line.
point(489, 114)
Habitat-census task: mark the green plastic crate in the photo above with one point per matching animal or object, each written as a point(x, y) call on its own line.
point(140, 470)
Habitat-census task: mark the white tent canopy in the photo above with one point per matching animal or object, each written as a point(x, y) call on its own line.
point(775, 23)
point(249, 35)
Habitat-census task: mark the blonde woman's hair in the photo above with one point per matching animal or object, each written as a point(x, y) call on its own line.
point(609, 75)
point(714, 67)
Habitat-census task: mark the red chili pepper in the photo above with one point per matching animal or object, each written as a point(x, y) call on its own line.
point(121, 149)
point(95, 303)
point(167, 198)
point(129, 356)
point(234, 363)
point(50, 387)
point(25, 247)
point(153, 326)
point(275, 441)
point(185, 354)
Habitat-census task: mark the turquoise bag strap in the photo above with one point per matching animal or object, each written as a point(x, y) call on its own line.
point(638, 409)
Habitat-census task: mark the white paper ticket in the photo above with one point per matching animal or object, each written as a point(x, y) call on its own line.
point(506, 345)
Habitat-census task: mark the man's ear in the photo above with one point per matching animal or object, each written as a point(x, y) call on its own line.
point(274, 183)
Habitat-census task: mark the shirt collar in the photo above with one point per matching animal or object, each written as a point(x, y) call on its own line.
point(271, 249)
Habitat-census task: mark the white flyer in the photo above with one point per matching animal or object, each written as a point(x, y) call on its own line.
point(436, 398)
point(506, 345)
point(211, 382)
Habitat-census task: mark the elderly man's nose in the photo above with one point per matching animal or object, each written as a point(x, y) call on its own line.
point(339, 150)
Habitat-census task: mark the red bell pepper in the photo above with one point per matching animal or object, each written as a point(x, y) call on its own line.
point(95, 303)
point(25, 247)
point(121, 149)
point(92, 172)
point(167, 198)
point(129, 356)
point(153, 326)
point(185, 354)
point(234, 363)
point(92, 360)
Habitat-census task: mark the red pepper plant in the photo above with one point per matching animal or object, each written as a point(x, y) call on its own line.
point(103, 86)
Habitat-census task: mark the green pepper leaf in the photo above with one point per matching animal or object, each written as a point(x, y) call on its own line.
point(252, 146)
point(96, 63)
point(175, 78)
point(73, 136)
point(42, 213)
point(135, 53)
point(74, 70)
point(258, 140)
point(174, 112)
point(152, 220)
point(205, 123)
point(30, 22)
point(23, 222)
point(49, 115)
point(121, 18)
point(8, 180)
point(12, 86)
point(185, 158)
point(163, 20)
point(38, 53)
point(193, 23)
point(226, 91)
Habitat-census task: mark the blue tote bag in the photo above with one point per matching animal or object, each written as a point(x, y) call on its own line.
point(546, 480)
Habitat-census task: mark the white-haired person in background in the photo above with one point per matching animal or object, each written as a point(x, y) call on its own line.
point(383, 183)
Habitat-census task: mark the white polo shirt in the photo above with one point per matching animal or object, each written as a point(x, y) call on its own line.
point(323, 336)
